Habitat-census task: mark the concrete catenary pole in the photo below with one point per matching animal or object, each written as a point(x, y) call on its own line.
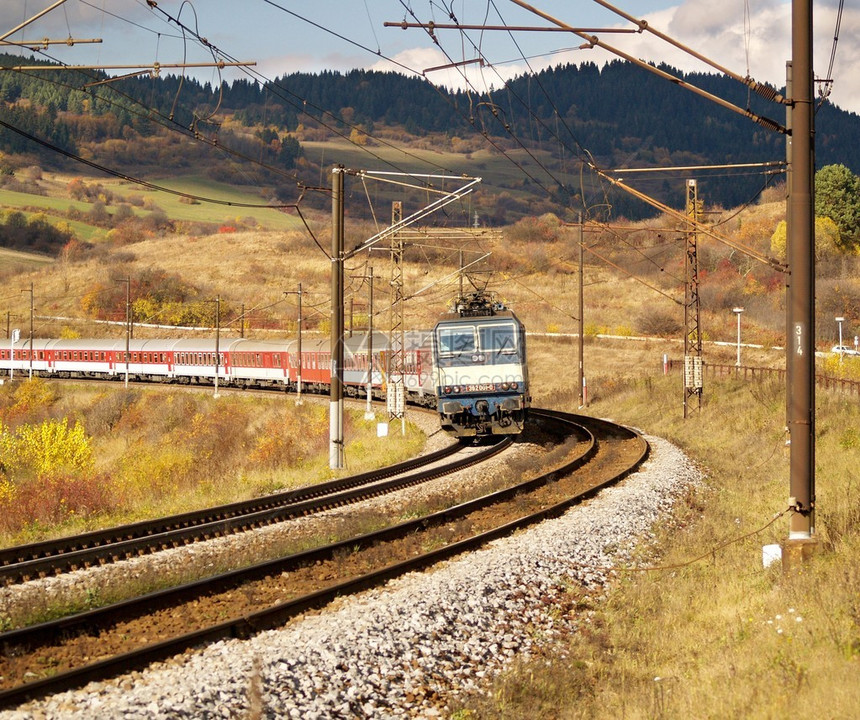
point(299, 368)
point(368, 411)
point(581, 376)
point(336, 336)
point(801, 261)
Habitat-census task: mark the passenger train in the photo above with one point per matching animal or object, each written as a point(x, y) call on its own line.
point(471, 370)
point(238, 362)
point(479, 352)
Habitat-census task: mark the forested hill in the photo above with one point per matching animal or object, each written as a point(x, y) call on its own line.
point(620, 114)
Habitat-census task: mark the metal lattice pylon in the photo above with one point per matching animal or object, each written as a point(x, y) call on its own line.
point(396, 350)
point(693, 371)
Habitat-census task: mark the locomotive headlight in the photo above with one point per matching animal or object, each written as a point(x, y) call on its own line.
point(506, 386)
point(514, 385)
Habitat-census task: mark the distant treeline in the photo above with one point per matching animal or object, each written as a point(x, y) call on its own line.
point(619, 114)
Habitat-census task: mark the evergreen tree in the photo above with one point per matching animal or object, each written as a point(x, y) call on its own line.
point(837, 196)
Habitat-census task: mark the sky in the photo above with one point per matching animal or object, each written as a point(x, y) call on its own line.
point(748, 37)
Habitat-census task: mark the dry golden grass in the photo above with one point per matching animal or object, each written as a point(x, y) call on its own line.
point(723, 636)
point(708, 631)
point(534, 271)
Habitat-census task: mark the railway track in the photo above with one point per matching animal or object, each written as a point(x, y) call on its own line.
point(26, 562)
point(602, 454)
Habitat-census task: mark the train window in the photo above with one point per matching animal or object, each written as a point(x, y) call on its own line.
point(41, 354)
point(276, 360)
point(259, 360)
point(498, 338)
point(456, 339)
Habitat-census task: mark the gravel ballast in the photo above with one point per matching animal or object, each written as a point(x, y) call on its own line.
point(405, 649)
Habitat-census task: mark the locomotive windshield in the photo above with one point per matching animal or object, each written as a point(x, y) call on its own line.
point(457, 339)
point(487, 338)
point(498, 338)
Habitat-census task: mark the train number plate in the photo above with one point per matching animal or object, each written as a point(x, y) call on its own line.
point(481, 387)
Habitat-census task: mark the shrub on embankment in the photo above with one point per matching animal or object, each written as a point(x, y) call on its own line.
point(75, 457)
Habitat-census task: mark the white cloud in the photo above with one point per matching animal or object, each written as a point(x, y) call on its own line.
point(758, 46)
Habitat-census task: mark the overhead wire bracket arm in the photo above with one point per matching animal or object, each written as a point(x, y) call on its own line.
point(705, 229)
point(45, 42)
point(594, 41)
point(761, 89)
point(154, 69)
point(502, 28)
point(415, 217)
point(32, 19)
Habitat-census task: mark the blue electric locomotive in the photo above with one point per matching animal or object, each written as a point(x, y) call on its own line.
point(479, 357)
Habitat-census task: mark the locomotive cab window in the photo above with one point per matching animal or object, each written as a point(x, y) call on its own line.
point(456, 339)
point(498, 338)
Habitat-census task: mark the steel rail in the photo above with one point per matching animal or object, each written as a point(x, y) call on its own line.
point(276, 615)
point(98, 547)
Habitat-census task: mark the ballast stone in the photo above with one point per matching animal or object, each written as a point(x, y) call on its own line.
point(399, 651)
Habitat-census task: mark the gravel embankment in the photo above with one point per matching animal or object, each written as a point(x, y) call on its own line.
point(402, 650)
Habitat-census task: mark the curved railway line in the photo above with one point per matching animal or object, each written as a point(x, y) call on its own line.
point(26, 562)
point(128, 635)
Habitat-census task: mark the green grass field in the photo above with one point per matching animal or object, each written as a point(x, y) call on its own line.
point(56, 206)
point(225, 214)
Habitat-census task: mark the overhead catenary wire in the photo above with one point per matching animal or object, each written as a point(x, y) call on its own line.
point(710, 553)
point(589, 162)
point(827, 82)
point(274, 87)
point(132, 178)
point(304, 219)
